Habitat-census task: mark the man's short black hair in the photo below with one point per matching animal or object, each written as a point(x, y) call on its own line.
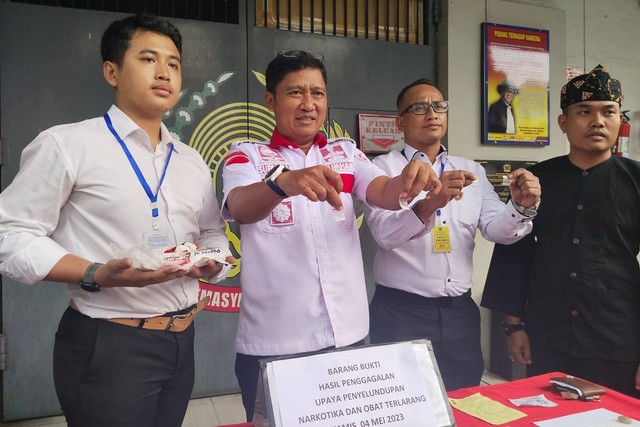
point(409, 86)
point(117, 36)
point(288, 61)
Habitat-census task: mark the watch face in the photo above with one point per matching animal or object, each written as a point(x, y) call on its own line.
point(90, 286)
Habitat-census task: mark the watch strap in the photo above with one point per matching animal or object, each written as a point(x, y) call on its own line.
point(270, 180)
point(530, 211)
point(510, 328)
point(87, 283)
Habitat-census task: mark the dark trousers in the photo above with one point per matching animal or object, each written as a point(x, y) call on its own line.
point(619, 376)
point(109, 375)
point(248, 371)
point(452, 324)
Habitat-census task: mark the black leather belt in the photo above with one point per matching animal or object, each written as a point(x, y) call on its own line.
point(409, 297)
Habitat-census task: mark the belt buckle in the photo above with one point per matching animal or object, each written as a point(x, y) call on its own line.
point(172, 319)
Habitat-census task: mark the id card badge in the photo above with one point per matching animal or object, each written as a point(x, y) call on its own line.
point(155, 239)
point(441, 241)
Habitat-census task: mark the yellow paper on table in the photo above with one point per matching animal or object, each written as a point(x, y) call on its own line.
point(486, 409)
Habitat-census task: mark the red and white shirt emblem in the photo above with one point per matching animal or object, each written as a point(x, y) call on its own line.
point(282, 214)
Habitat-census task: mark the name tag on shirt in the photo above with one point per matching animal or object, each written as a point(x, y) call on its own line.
point(156, 239)
point(441, 241)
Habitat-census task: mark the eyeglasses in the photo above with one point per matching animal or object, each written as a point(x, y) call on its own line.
point(292, 53)
point(422, 108)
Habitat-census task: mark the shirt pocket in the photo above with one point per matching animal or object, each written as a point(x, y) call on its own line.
point(468, 207)
point(282, 219)
point(346, 218)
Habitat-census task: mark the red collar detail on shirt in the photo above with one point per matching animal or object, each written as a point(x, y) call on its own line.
point(277, 141)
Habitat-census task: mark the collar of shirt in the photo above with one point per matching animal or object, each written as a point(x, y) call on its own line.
point(125, 127)
point(411, 153)
point(277, 141)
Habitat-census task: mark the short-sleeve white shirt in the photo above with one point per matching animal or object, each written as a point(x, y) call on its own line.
point(303, 286)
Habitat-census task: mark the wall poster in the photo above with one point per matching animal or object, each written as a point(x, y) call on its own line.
point(515, 101)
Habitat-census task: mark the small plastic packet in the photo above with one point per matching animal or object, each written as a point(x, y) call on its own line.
point(187, 255)
point(404, 202)
point(143, 257)
point(184, 256)
point(339, 215)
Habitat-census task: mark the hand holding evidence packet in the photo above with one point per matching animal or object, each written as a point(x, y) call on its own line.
point(185, 256)
point(575, 388)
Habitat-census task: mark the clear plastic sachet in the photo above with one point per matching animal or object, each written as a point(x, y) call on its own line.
point(184, 256)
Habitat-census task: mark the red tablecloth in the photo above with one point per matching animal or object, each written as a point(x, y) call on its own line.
point(611, 400)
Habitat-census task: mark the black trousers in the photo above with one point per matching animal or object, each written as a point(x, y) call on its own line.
point(452, 324)
point(247, 371)
point(109, 375)
point(619, 376)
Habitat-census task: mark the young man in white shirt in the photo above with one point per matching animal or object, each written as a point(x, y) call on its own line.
point(424, 263)
point(123, 353)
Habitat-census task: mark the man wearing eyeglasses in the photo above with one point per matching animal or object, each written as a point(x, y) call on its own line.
point(303, 286)
point(424, 263)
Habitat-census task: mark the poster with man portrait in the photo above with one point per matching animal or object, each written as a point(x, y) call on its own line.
point(516, 85)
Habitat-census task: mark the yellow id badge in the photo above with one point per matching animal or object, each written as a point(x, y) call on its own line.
point(441, 242)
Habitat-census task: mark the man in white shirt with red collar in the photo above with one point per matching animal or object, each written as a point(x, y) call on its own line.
point(303, 286)
point(124, 349)
point(424, 264)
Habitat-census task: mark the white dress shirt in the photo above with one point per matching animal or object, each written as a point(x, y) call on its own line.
point(511, 122)
point(406, 259)
point(76, 193)
point(303, 286)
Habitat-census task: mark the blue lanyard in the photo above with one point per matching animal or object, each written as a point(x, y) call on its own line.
point(153, 198)
point(438, 211)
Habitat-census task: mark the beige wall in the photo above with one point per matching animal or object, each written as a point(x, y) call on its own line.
point(582, 33)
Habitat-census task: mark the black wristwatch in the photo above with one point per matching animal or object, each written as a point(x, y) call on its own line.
point(270, 180)
point(509, 328)
point(87, 282)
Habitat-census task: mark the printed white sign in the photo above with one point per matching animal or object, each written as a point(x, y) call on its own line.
point(372, 386)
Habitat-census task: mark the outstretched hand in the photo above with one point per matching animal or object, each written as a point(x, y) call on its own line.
point(316, 183)
point(418, 176)
point(525, 187)
point(453, 182)
point(119, 273)
point(211, 268)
